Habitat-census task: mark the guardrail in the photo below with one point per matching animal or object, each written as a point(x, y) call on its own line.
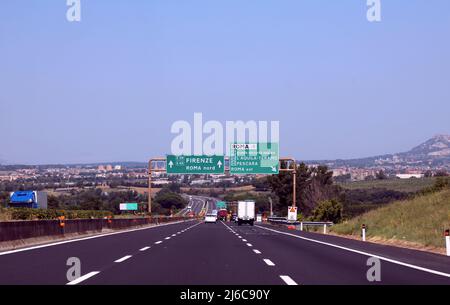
point(18, 230)
point(300, 224)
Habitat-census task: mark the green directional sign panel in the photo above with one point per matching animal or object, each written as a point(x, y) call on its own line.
point(128, 206)
point(254, 158)
point(195, 164)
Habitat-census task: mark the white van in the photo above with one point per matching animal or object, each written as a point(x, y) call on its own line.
point(210, 218)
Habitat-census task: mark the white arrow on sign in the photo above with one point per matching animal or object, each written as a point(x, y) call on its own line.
point(170, 164)
point(274, 169)
point(219, 164)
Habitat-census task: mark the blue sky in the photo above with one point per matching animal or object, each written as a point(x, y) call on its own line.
point(109, 87)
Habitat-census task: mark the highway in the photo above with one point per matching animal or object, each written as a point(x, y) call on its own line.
point(197, 203)
point(195, 253)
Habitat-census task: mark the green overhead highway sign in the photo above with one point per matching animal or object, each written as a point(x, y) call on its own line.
point(254, 158)
point(195, 164)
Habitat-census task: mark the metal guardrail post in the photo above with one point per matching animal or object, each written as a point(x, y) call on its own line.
point(447, 241)
point(363, 232)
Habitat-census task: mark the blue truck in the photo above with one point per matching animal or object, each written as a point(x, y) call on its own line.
point(28, 199)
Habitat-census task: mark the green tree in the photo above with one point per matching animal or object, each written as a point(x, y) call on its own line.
point(380, 175)
point(328, 210)
point(313, 184)
point(169, 200)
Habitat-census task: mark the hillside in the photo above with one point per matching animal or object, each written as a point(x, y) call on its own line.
point(400, 185)
point(420, 221)
point(433, 153)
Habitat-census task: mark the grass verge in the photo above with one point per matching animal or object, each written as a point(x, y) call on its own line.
point(421, 220)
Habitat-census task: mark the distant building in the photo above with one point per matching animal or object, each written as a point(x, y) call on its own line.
point(118, 167)
point(408, 176)
point(200, 182)
point(160, 182)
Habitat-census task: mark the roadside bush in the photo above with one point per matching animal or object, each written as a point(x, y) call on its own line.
point(328, 210)
point(41, 214)
point(440, 184)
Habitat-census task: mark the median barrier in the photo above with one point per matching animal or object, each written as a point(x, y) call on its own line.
point(20, 230)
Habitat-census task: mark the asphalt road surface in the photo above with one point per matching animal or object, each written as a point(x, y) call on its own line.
point(197, 203)
point(195, 253)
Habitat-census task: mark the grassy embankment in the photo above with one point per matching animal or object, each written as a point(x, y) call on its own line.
point(400, 185)
point(419, 221)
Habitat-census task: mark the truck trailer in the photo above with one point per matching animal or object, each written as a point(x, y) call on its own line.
point(246, 212)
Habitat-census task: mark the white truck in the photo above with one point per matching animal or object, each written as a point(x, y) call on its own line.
point(246, 212)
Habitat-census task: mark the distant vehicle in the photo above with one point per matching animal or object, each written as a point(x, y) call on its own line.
point(211, 218)
point(246, 212)
point(234, 217)
point(214, 212)
point(28, 199)
point(222, 215)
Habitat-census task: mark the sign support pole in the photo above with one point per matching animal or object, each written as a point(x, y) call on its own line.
point(150, 171)
point(150, 187)
point(294, 191)
point(294, 177)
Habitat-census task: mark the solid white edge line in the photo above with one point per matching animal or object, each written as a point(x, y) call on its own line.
point(287, 279)
point(87, 238)
point(83, 278)
point(144, 249)
point(123, 259)
point(268, 262)
point(363, 253)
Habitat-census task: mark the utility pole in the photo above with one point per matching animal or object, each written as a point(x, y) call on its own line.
point(271, 211)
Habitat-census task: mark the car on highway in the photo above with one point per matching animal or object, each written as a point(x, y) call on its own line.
point(210, 218)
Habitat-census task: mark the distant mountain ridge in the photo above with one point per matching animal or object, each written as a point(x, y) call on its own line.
point(438, 146)
point(433, 153)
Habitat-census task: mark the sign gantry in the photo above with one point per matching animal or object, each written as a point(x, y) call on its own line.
point(156, 165)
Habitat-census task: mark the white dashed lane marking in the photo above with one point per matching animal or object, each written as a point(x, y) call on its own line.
point(144, 249)
point(83, 278)
point(123, 259)
point(287, 279)
point(269, 262)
